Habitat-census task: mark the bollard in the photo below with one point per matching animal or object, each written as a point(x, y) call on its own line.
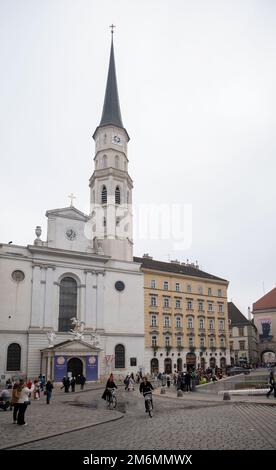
point(179, 393)
point(163, 391)
point(226, 396)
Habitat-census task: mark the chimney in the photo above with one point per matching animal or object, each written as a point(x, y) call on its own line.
point(249, 314)
point(146, 255)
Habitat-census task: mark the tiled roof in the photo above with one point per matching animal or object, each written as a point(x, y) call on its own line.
point(176, 268)
point(266, 302)
point(236, 316)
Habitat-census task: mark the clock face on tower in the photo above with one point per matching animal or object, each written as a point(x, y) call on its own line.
point(117, 140)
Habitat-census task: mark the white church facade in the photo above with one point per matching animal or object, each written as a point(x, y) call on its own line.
point(83, 270)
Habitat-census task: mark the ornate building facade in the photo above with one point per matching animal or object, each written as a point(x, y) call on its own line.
point(186, 318)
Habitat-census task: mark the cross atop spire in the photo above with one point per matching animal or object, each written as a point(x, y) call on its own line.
point(112, 26)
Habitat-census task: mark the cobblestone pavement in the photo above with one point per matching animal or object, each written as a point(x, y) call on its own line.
point(65, 412)
point(177, 424)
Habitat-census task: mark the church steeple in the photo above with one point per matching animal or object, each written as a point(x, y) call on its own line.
point(111, 186)
point(111, 114)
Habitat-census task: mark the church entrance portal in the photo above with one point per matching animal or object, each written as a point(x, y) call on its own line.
point(75, 367)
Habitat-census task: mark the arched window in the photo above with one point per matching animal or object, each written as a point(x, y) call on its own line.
point(104, 195)
point(119, 356)
point(190, 322)
point(201, 323)
point(178, 322)
point(116, 161)
point(14, 357)
point(104, 161)
point(117, 195)
point(67, 303)
point(202, 342)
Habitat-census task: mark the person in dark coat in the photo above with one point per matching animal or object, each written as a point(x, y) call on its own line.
point(272, 384)
point(188, 378)
point(66, 384)
point(73, 384)
point(48, 389)
point(82, 381)
point(109, 384)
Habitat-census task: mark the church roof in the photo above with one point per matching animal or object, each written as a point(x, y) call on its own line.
point(268, 301)
point(188, 270)
point(235, 315)
point(111, 114)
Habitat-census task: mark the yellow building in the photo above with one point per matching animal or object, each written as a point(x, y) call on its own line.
point(186, 318)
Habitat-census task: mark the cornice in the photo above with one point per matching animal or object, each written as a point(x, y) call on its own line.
point(39, 250)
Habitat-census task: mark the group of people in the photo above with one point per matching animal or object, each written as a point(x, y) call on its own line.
point(17, 397)
point(144, 388)
point(69, 383)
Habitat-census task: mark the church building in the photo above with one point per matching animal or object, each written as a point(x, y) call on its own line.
point(74, 302)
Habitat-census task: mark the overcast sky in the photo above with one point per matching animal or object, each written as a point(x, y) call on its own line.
point(197, 88)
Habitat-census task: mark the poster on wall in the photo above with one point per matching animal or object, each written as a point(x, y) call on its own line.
point(92, 367)
point(264, 325)
point(60, 368)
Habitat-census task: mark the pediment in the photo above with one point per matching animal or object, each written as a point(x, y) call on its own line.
point(68, 213)
point(73, 346)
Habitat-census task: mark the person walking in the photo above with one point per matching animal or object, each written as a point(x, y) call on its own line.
point(272, 384)
point(14, 401)
point(23, 401)
point(73, 384)
point(48, 388)
point(82, 381)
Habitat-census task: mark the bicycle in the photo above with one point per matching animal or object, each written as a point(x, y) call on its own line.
point(148, 403)
point(111, 400)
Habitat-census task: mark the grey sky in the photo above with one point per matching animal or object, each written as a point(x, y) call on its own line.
point(197, 91)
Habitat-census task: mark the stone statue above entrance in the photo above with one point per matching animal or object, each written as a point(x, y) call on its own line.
point(77, 331)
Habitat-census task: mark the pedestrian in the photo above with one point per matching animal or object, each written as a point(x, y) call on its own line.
point(126, 382)
point(188, 379)
point(82, 381)
point(272, 384)
point(14, 401)
point(168, 380)
point(48, 388)
point(23, 401)
point(72, 384)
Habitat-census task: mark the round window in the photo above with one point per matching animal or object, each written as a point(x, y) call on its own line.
point(119, 285)
point(18, 276)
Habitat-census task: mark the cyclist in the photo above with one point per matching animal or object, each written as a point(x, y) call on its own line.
point(109, 384)
point(146, 387)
